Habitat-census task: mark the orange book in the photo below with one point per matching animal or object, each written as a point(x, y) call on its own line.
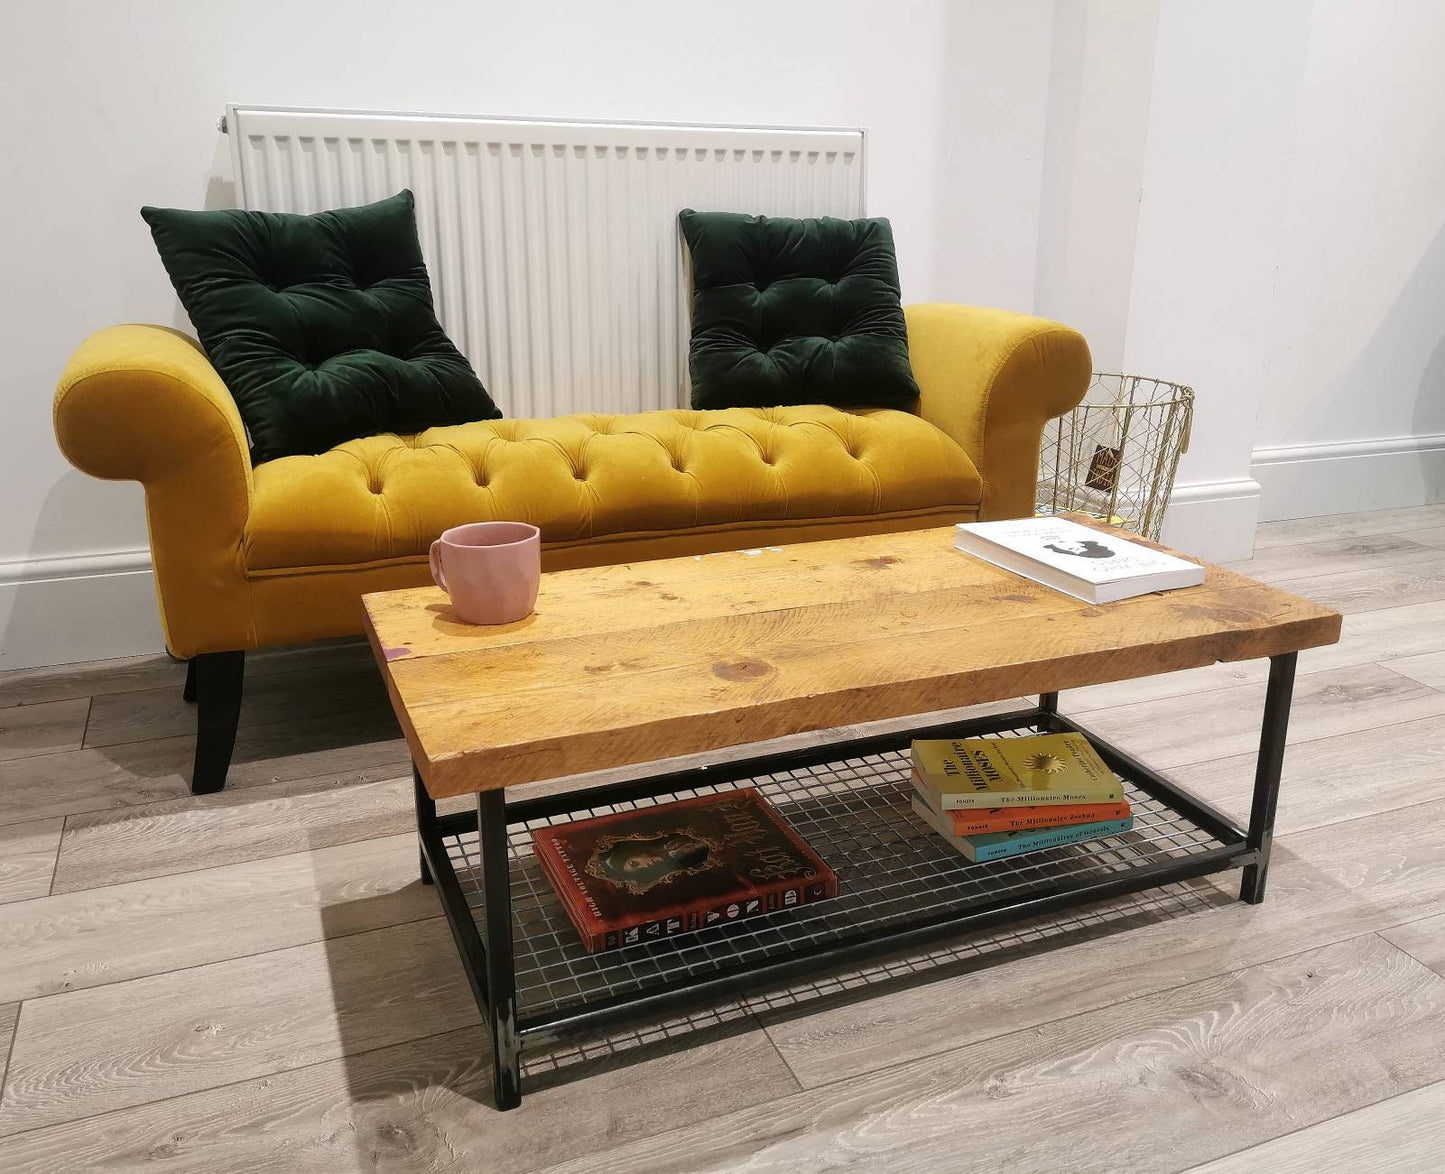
point(981, 821)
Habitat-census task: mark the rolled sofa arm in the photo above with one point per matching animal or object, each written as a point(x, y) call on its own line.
point(143, 403)
point(992, 379)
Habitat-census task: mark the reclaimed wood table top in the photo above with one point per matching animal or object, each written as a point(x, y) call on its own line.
point(651, 660)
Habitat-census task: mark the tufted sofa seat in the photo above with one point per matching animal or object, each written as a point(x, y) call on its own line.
point(610, 485)
point(282, 552)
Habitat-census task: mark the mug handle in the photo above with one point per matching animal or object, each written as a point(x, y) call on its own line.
point(435, 557)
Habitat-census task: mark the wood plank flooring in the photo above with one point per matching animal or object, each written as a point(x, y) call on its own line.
point(1211, 1067)
point(1404, 1134)
point(27, 858)
point(43, 728)
point(256, 981)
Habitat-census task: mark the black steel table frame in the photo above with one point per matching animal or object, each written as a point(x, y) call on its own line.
point(487, 949)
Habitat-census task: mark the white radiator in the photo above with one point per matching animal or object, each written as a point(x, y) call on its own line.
point(555, 257)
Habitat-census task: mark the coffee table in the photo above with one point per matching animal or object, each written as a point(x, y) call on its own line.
point(648, 661)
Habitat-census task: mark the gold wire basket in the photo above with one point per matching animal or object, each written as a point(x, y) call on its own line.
point(1115, 455)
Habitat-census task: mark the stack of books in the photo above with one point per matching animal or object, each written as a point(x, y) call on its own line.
point(996, 797)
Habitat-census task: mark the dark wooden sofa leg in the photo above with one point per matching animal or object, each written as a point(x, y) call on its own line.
point(217, 689)
point(188, 694)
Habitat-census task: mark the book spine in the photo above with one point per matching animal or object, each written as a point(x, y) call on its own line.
point(959, 801)
point(1052, 838)
point(780, 895)
point(590, 930)
point(967, 824)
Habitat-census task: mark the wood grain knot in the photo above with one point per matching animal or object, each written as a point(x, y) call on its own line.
point(742, 670)
point(631, 665)
point(1015, 598)
point(878, 562)
point(643, 583)
point(1222, 615)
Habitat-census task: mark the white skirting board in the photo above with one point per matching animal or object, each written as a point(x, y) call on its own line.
point(86, 607)
point(1309, 480)
point(1213, 520)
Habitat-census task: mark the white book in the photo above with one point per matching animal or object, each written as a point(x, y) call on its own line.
point(1087, 564)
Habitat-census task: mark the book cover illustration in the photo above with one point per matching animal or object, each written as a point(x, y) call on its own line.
point(998, 845)
point(642, 875)
point(1042, 770)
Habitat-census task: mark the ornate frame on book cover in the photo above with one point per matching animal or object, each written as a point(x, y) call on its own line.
point(901, 886)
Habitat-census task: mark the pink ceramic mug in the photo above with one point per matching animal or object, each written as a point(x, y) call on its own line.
point(490, 569)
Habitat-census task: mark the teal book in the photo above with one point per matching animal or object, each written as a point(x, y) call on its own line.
point(997, 845)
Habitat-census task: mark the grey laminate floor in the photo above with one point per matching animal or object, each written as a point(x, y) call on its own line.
point(255, 980)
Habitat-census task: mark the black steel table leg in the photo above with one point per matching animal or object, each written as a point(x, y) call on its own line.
point(1048, 703)
point(488, 964)
point(426, 818)
point(501, 973)
point(1267, 773)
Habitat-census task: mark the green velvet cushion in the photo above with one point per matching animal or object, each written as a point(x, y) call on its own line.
point(321, 326)
point(795, 312)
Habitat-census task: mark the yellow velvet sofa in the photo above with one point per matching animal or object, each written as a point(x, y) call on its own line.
point(280, 553)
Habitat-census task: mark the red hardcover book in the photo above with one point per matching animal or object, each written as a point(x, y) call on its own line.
point(639, 876)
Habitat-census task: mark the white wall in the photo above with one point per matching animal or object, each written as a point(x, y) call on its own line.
point(1290, 260)
point(1352, 407)
point(1169, 137)
point(1286, 255)
point(110, 106)
point(1222, 119)
point(1100, 82)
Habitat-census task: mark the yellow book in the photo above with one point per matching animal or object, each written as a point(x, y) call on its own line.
point(1012, 772)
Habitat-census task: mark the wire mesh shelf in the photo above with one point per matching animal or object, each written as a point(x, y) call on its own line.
point(893, 871)
point(1115, 455)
